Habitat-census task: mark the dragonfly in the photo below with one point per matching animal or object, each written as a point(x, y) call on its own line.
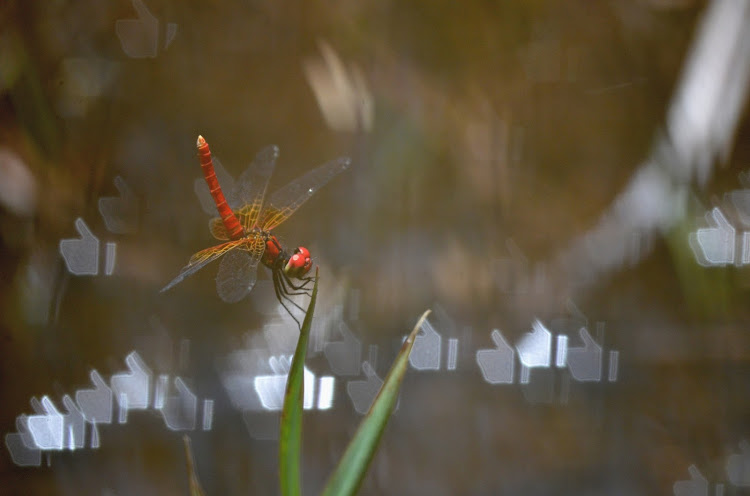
point(245, 221)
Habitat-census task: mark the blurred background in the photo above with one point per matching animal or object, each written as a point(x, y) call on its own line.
point(565, 184)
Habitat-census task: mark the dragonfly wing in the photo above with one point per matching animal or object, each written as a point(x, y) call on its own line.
point(237, 273)
point(285, 201)
point(217, 228)
point(227, 186)
point(250, 189)
point(200, 260)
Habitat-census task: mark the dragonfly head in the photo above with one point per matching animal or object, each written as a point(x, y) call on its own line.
point(299, 263)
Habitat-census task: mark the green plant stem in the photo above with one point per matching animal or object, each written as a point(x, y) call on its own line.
point(290, 435)
point(351, 470)
point(193, 483)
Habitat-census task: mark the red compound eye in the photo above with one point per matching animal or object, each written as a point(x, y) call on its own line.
point(299, 264)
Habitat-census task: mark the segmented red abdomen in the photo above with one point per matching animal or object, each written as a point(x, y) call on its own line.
point(231, 223)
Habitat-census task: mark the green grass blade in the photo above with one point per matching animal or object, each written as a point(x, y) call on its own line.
point(195, 486)
point(352, 468)
point(290, 436)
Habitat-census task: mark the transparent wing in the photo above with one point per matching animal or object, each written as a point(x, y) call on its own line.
point(238, 271)
point(217, 228)
point(285, 201)
point(250, 189)
point(227, 186)
point(201, 259)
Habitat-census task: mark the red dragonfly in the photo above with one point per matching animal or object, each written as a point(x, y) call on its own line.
point(245, 221)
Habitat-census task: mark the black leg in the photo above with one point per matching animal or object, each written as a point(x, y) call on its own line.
point(301, 288)
point(285, 293)
point(281, 297)
point(289, 281)
point(286, 283)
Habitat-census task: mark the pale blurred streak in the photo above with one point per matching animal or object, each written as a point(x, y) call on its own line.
point(37, 285)
point(18, 187)
point(703, 116)
point(83, 81)
point(139, 37)
point(651, 202)
point(701, 123)
point(342, 95)
point(495, 143)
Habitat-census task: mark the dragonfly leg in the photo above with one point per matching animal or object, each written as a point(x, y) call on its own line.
point(301, 288)
point(281, 300)
point(286, 293)
point(282, 294)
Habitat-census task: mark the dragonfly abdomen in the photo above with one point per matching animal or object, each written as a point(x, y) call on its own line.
point(231, 223)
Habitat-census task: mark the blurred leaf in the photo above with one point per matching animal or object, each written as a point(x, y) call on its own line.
point(27, 93)
point(708, 292)
point(195, 485)
point(352, 468)
point(290, 436)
